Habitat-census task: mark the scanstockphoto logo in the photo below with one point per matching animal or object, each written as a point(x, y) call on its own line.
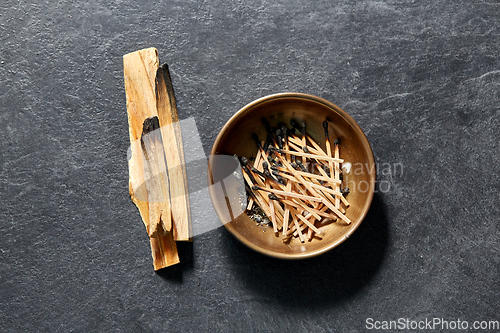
point(431, 324)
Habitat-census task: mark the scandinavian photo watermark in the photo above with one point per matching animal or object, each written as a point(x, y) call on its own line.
point(431, 324)
point(386, 174)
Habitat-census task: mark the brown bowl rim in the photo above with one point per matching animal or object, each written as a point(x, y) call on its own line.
point(366, 146)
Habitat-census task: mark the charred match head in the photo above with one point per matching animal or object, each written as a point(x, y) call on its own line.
point(336, 141)
point(345, 191)
point(303, 129)
point(273, 196)
point(280, 139)
point(301, 166)
point(325, 126)
point(243, 160)
point(255, 188)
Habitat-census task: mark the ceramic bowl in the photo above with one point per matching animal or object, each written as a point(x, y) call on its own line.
point(236, 138)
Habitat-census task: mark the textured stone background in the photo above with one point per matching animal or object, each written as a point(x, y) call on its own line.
point(422, 78)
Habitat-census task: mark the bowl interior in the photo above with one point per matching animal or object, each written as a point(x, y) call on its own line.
point(236, 138)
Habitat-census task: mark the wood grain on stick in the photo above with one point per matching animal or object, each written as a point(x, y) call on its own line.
point(174, 152)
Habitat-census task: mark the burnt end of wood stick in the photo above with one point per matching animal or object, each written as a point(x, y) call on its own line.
point(150, 124)
point(163, 77)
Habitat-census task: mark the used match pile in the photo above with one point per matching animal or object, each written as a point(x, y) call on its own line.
point(296, 183)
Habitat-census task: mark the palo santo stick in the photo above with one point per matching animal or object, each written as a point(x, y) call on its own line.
point(139, 72)
point(316, 157)
point(287, 194)
point(157, 185)
point(174, 153)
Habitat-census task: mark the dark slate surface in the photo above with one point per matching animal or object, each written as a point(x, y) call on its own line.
point(422, 78)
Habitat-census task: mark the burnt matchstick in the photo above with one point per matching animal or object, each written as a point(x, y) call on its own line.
point(297, 204)
point(278, 136)
point(345, 191)
point(255, 137)
point(304, 146)
point(260, 173)
point(286, 194)
point(282, 171)
point(325, 126)
point(337, 169)
point(266, 125)
point(306, 155)
point(273, 197)
point(301, 166)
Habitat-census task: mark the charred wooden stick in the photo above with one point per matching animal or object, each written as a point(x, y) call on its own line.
point(174, 155)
